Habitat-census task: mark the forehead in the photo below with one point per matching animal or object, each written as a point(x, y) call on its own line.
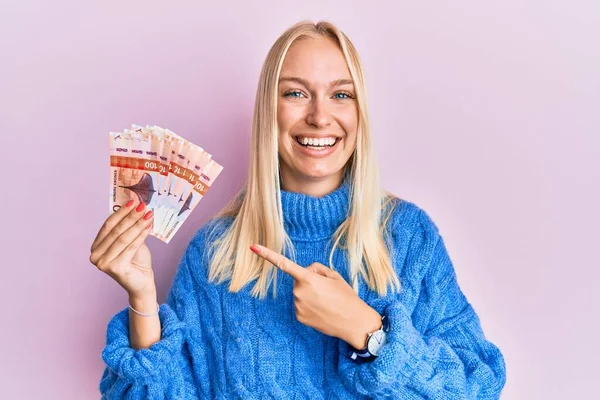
point(319, 61)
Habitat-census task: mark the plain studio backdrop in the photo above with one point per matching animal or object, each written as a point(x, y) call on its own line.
point(485, 114)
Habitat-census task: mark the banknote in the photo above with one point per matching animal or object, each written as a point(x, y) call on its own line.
point(163, 170)
point(133, 171)
point(195, 176)
point(172, 147)
point(200, 179)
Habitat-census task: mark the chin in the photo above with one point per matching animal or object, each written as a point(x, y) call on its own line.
point(317, 174)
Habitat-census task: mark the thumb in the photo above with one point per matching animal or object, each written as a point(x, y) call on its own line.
point(324, 271)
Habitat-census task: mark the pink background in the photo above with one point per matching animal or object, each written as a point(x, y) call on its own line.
point(486, 115)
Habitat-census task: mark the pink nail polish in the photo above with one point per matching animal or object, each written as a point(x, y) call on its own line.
point(255, 249)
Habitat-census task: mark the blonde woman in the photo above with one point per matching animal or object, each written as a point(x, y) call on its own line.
point(313, 282)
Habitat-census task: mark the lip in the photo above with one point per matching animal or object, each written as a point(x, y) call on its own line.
point(316, 153)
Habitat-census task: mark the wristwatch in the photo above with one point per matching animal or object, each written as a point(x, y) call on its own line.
point(375, 341)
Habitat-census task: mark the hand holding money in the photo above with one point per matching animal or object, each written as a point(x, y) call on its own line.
point(156, 179)
point(120, 252)
point(159, 168)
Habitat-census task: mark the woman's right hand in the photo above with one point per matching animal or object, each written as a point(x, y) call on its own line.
point(119, 249)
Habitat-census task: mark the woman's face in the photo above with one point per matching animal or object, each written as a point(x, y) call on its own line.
point(317, 106)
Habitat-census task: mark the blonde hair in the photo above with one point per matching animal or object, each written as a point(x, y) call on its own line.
point(257, 211)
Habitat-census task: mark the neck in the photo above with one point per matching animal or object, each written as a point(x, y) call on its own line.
point(316, 187)
point(309, 217)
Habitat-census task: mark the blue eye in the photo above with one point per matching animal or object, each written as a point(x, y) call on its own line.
point(347, 96)
point(293, 93)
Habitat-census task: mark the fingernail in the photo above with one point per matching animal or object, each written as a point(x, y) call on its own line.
point(148, 215)
point(140, 207)
point(149, 225)
point(129, 204)
point(255, 249)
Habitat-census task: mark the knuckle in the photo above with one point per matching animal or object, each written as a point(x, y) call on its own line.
point(109, 268)
point(101, 265)
point(282, 263)
point(114, 233)
point(122, 240)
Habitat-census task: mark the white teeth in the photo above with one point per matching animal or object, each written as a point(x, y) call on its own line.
point(330, 141)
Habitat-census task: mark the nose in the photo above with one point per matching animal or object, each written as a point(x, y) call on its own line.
point(318, 114)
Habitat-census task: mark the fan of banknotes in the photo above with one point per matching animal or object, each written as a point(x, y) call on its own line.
point(161, 169)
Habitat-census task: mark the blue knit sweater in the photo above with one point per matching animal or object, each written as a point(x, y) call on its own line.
point(221, 345)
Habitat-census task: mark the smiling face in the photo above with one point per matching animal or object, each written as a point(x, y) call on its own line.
point(316, 107)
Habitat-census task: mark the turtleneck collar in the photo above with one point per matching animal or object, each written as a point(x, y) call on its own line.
point(313, 218)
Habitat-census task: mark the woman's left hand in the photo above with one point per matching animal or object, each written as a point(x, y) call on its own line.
point(325, 301)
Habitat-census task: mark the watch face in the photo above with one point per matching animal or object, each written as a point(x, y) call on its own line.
point(377, 340)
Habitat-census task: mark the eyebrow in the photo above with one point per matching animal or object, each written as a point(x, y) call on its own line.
point(337, 82)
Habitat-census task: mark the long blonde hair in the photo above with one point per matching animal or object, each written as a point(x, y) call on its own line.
point(257, 211)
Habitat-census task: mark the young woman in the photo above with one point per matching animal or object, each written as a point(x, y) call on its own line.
point(314, 282)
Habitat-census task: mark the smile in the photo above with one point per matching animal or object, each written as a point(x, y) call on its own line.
point(314, 147)
point(315, 143)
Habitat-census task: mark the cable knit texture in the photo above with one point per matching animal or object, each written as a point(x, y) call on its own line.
point(221, 345)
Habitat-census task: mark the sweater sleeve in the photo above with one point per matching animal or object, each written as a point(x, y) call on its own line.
point(452, 359)
point(165, 369)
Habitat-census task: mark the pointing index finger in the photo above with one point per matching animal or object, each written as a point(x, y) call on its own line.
point(280, 261)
